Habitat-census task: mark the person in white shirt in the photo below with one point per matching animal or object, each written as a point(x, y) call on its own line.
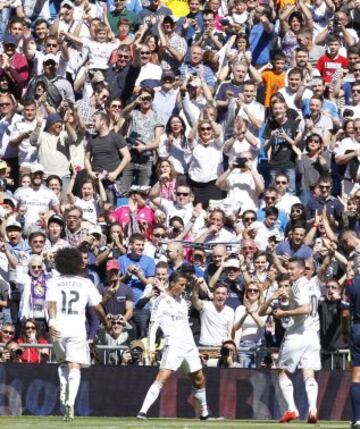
point(216, 232)
point(300, 347)
point(170, 314)
point(182, 207)
point(294, 93)
point(37, 198)
point(20, 133)
point(216, 317)
point(285, 199)
point(67, 297)
point(243, 182)
point(205, 161)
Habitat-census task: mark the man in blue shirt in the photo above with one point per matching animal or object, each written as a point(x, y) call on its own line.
point(138, 271)
point(294, 247)
point(261, 36)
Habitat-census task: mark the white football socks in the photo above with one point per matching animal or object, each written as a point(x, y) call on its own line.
point(311, 388)
point(200, 396)
point(73, 385)
point(63, 372)
point(151, 396)
point(287, 389)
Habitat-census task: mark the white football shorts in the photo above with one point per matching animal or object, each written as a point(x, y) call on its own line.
point(174, 357)
point(76, 350)
point(300, 351)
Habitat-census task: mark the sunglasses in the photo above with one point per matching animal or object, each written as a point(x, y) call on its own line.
point(159, 235)
point(281, 182)
point(4, 104)
point(8, 332)
point(324, 186)
point(205, 128)
point(356, 70)
point(249, 219)
point(182, 194)
point(253, 290)
point(357, 91)
point(34, 267)
point(269, 198)
point(30, 328)
point(126, 57)
point(52, 45)
point(146, 99)
point(248, 248)
point(355, 128)
point(144, 52)
point(116, 323)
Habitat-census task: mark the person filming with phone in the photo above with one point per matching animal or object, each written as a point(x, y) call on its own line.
point(242, 181)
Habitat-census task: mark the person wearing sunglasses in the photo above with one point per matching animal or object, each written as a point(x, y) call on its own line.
point(32, 303)
point(270, 199)
point(313, 163)
point(251, 324)
point(119, 334)
point(323, 198)
point(7, 332)
point(285, 199)
point(30, 334)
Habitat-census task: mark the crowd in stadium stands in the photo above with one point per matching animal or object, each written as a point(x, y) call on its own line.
point(218, 138)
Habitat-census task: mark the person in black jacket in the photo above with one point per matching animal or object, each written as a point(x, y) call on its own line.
point(330, 325)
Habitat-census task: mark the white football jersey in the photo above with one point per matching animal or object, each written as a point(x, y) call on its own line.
point(304, 291)
point(171, 315)
point(72, 294)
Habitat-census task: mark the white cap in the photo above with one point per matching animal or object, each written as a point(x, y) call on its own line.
point(37, 167)
point(232, 263)
point(95, 230)
point(51, 57)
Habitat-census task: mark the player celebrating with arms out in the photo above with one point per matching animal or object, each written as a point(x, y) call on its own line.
point(300, 347)
point(170, 313)
point(67, 296)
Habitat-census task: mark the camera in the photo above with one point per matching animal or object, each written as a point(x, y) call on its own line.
point(224, 21)
point(17, 353)
point(136, 355)
point(224, 352)
point(240, 162)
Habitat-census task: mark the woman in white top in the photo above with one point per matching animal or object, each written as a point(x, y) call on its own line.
point(251, 324)
point(174, 144)
point(205, 161)
point(88, 202)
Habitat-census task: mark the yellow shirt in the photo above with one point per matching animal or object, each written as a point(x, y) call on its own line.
point(179, 8)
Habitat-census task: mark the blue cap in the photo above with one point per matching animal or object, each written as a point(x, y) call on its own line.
point(52, 118)
point(9, 39)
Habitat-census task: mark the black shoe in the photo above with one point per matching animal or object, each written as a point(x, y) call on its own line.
point(141, 416)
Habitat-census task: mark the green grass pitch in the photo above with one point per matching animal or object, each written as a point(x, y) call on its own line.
point(30, 422)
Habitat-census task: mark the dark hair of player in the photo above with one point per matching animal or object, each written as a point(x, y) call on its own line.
point(68, 261)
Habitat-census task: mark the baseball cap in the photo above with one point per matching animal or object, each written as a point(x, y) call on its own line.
point(95, 230)
point(232, 263)
point(3, 164)
point(14, 224)
point(9, 39)
point(51, 119)
point(137, 343)
point(67, 3)
point(11, 201)
point(51, 57)
point(113, 264)
point(56, 219)
point(37, 167)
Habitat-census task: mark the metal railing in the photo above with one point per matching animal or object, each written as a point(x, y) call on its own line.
point(111, 355)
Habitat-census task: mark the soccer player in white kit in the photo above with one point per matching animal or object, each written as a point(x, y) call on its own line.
point(67, 297)
point(170, 313)
point(301, 345)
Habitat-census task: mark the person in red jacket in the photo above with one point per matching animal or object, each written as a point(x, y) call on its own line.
point(30, 333)
point(329, 63)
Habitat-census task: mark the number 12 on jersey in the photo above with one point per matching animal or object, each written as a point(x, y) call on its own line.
point(69, 299)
